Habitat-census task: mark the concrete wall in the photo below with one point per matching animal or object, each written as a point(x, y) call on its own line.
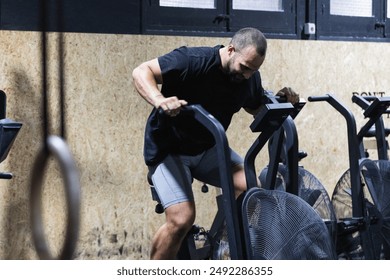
point(105, 124)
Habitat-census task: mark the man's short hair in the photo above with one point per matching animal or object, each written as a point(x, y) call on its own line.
point(250, 36)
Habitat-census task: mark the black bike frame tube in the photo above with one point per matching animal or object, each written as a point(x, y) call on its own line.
point(380, 137)
point(225, 170)
point(249, 163)
point(3, 105)
point(275, 145)
point(364, 104)
point(353, 151)
point(285, 137)
point(292, 155)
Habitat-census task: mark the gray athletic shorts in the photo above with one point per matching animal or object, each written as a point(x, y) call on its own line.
point(172, 178)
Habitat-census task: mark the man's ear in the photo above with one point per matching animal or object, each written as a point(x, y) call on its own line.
point(231, 49)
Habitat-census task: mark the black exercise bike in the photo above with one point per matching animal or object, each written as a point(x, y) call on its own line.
point(378, 132)
point(360, 198)
point(262, 223)
point(9, 129)
point(285, 170)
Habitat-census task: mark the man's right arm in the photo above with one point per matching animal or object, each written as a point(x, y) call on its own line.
point(146, 78)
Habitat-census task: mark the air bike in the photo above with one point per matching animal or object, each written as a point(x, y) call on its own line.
point(285, 171)
point(361, 198)
point(262, 223)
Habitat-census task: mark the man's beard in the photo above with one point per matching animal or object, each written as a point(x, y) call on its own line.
point(236, 78)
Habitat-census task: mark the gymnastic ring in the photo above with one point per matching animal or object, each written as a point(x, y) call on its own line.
point(57, 148)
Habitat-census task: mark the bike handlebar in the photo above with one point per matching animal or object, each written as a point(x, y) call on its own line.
point(372, 104)
point(319, 98)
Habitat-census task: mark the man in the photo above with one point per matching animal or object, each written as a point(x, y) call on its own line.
point(223, 79)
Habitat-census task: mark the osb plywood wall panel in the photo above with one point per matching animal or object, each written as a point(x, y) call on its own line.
point(105, 125)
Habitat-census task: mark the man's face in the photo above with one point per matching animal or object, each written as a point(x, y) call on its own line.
point(242, 64)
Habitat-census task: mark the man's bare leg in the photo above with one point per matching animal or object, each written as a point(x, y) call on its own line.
point(179, 220)
point(239, 180)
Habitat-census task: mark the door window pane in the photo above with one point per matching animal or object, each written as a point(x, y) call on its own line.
point(388, 8)
point(200, 4)
point(355, 8)
point(258, 5)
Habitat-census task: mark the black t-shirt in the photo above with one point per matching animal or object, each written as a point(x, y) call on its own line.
point(195, 75)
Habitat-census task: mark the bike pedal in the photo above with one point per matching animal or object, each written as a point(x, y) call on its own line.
point(195, 229)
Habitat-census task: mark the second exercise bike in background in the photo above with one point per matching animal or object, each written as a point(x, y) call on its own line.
point(358, 197)
point(286, 172)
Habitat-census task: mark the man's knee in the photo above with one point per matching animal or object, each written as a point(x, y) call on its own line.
point(180, 217)
point(239, 179)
